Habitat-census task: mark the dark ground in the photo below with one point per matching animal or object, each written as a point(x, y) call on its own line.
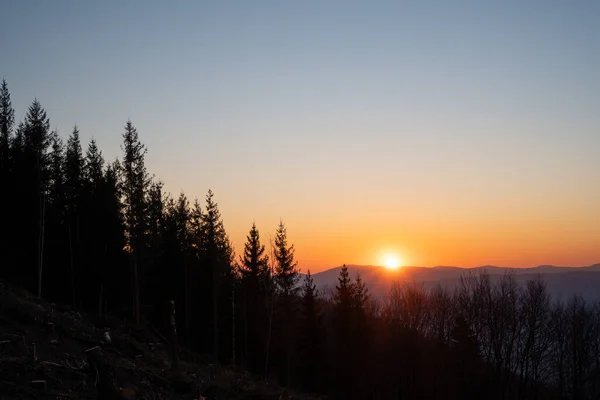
point(53, 352)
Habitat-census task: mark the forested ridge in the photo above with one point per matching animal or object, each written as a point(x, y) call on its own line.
point(103, 237)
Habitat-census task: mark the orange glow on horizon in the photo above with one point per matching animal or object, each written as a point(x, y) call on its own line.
point(392, 261)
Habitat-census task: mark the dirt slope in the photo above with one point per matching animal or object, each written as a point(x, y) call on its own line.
point(52, 352)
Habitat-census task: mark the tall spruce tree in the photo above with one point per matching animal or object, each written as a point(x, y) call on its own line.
point(117, 284)
point(177, 252)
point(7, 119)
point(286, 268)
point(254, 271)
point(74, 165)
point(217, 256)
point(182, 216)
point(344, 311)
point(56, 271)
point(34, 176)
point(136, 185)
point(286, 278)
point(310, 343)
point(94, 234)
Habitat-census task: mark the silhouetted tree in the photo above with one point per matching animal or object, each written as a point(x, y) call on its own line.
point(7, 119)
point(136, 185)
point(73, 194)
point(254, 271)
point(56, 274)
point(286, 278)
point(344, 303)
point(34, 177)
point(217, 257)
point(311, 341)
point(93, 224)
point(117, 282)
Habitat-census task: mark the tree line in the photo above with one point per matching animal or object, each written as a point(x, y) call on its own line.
point(103, 237)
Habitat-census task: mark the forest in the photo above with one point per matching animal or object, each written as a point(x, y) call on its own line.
point(103, 237)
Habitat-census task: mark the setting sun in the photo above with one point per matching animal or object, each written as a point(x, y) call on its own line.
point(392, 261)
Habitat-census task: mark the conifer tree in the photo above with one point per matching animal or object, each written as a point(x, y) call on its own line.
point(344, 318)
point(254, 271)
point(34, 175)
point(310, 343)
point(286, 277)
point(182, 219)
point(136, 185)
point(286, 268)
point(155, 221)
point(177, 252)
point(74, 165)
point(115, 262)
point(361, 293)
point(56, 274)
point(56, 173)
point(217, 256)
point(343, 290)
point(7, 119)
point(94, 220)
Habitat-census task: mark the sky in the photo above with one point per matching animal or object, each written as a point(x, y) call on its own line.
point(448, 133)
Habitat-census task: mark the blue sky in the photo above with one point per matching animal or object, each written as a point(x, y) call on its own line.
point(426, 113)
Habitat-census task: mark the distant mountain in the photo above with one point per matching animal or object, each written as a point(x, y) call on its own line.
point(562, 282)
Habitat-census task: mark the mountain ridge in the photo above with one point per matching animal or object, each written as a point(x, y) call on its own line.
point(562, 282)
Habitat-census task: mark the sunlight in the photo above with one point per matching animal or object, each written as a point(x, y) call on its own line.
point(392, 261)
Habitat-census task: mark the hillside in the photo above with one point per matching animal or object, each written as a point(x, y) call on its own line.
point(562, 282)
point(52, 352)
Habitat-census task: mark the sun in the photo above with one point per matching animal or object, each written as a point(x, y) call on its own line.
point(392, 261)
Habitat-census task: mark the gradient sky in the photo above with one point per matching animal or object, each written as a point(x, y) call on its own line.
point(452, 132)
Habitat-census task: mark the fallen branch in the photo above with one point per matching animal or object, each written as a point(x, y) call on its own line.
point(52, 364)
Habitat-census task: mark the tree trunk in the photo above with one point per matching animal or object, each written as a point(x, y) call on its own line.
point(41, 243)
point(186, 293)
point(270, 309)
point(215, 314)
point(233, 325)
point(136, 292)
point(71, 260)
point(174, 356)
point(246, 354)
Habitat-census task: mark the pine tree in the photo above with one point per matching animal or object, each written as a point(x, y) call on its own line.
point(286, 278)
point(7, 119)
point(74, 165)
point(177, 252)
point(94, 233)
point(34, 175)
point(153, 287)
point(155, 221)
point(56, 190)
point(360, 293)
point(343, 290)
point(217, 256)
point(136, 185)
point(254, 271)
point(344, 319)
point(310, 343)
point(183, 225)
point(56, 271)
point(16, 232)
point(254, 262)
point(286, 270)
point(114, 237)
